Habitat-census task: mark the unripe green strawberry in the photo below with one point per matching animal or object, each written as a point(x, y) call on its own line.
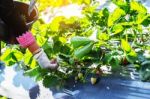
point(80, 75)
point(76, 78)
point(93, 80)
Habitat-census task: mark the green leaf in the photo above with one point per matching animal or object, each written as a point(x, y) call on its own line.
point(145, 71)
point(115, 63)
point(48, 45)
point(39, 77)
point(50, 81)
point(40, 40)
point(32, 72)
point(33, 63)
point(55, 24)
point(2, 97)
point(87, 2)
point(132, 53)
point(115, 16)
point(29, 60)
point(80, 41)
point(142, 17)
point(27, 55)
point(62, 39)
point(81, 52)
point(102, 36)
point(103, 13)
point(48, 48)
point(146, 20)
point(107, 58)
point(131, 56)
point(6, 56)
point(2, 45)
point(117, 28)
point(14, 57)
point(11, 62)
point(102, 17)
point(120, 3)
point(112, 59)
point(125, 45)
point(138, 7)
point(18, 55)
point(127, 24)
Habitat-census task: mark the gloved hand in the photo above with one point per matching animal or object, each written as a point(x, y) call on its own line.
point(27, 40)
point(44, 62)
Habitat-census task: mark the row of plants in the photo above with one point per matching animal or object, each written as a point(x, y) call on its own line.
point(82, 45)
point(1, 97)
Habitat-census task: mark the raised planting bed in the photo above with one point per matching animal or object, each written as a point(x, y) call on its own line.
point(15, 85)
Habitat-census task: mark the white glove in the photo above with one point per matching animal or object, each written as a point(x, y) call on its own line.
point(44, 62)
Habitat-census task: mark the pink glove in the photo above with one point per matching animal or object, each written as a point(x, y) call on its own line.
point(26, 39)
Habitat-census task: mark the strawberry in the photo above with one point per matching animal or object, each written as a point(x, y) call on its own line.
point(93, 80)
point(53, 61)
point(80, 75)
point(125, 61)
point(76, 78)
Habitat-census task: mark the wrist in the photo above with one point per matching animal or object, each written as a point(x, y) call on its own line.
point(44, 61)
point(36, 51)
point(34, 48)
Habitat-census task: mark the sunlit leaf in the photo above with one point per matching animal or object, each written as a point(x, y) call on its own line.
point(54, 26)
point(6, 55)
point(62, 39)
point(80, 41)
point(138, 7)
point(117, 28)
point(120, 3)
point(29, 60)
point(33, 63)
point(87, 1)
point(11, 56)
point(131, 56)
point(125, 45)
point(19, 55)
point(81, 52)
point(32, 72)
point(102, 36)
point(142, 17)
point(115, 16)
point(40, 40)
point(132, 53)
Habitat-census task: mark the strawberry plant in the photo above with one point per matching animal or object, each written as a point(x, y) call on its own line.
point(85, 44)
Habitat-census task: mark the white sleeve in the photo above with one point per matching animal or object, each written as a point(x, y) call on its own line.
point(43, 61)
